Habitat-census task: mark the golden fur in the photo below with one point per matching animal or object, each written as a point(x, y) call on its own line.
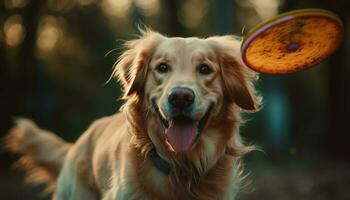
point(111, 159)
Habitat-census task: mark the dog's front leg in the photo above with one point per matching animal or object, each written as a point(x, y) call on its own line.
point(124, 190)
point(120, 192)
point(75, 182)
point(71, 187)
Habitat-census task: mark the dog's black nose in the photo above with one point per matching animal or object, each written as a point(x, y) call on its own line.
point(181, 97)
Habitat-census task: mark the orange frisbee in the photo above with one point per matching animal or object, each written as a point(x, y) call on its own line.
point(292, 41)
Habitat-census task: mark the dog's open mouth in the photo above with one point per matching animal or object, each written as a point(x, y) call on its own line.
point(181, 131)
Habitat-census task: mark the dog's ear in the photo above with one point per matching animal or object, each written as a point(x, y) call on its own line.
point(236, 77)
point(131, 67)
point(131, 70)
point(237, 84)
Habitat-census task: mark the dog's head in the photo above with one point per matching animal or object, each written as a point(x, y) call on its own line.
point(190, 86)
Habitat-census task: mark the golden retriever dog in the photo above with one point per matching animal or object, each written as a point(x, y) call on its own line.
point(176, 136)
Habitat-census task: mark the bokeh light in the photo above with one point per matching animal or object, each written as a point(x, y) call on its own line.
point(119, 9)
point(192, 13)
point(148, 7)
point(10, 4)
point(49, 34)
point(265, 8)
point(14, 31)
point(251, 12)
point(60, 5)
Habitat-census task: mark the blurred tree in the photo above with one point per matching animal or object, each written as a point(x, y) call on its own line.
point(173, 24)
point(19, 65)
point(336, 141)
point(337, 76)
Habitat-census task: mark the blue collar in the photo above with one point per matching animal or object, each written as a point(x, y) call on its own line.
point(159, 163)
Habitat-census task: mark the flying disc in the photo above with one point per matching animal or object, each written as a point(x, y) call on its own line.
point(292, 41)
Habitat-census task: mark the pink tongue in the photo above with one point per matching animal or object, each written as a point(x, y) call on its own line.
point(181, 134)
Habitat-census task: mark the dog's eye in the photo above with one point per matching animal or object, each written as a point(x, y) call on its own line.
point(205, 69)
point(162, 68)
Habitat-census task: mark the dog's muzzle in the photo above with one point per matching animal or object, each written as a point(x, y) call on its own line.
point(181, 130)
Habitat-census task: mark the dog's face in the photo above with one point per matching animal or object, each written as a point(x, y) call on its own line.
point(183, 85)
point(186, 82)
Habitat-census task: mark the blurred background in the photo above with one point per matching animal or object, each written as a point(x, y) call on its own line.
point(54, 63)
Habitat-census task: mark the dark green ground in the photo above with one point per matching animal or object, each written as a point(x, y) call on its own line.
point(290, 180)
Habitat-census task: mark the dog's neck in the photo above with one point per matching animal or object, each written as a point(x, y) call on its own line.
point(159, 163)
